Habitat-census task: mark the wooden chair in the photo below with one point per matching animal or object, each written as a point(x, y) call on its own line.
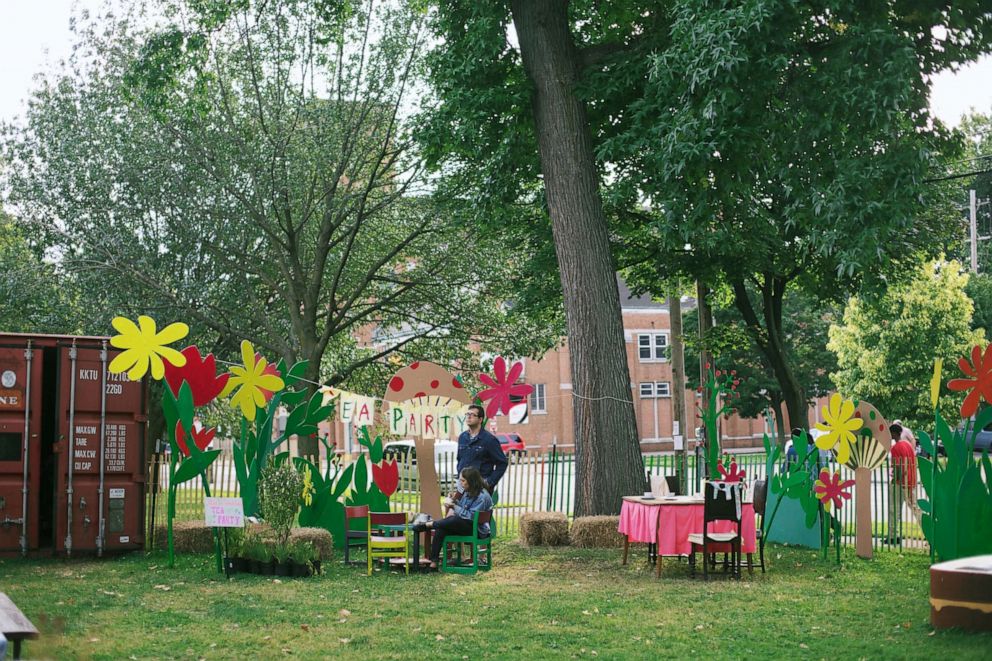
point(355, 537)
point(722, 502)
point(480, 545)
point(673, 484)
point(396, 545)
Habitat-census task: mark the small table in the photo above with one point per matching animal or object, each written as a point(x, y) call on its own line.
point(14, 625)
point(417, 563)
point(669, 520)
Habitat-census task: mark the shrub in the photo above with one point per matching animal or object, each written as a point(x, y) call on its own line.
point(279, 498)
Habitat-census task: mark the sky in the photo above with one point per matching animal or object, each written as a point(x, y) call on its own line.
point(34, 35)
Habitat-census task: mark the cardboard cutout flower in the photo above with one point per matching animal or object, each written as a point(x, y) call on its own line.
point(829, 489)
point(840, 425)
point(269, 369)
point(202, 437)
point(733, 473)
point(255, 385)
point(502, 390)
point(980, 369)
point(308, 488)
point(200, 372)
point(938, 365)
point(386, 477)
point(144, 347)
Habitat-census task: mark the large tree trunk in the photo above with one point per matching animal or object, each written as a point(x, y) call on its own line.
point(608, 456)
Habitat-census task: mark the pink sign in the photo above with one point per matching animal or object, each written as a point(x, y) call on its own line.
point(224, 512)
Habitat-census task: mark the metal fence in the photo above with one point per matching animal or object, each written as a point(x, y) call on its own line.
point(544, 481)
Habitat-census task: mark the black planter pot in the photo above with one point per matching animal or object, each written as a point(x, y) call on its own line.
point(242, 565)
point(284, 568)
point(256, 567)
point(300, 569)
point(268, 568)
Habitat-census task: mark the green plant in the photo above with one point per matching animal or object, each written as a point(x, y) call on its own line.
point(303, 552)
point(279, 497)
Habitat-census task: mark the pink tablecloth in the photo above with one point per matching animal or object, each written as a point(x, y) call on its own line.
point(640, 523)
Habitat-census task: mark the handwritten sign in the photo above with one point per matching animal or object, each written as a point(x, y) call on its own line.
point(224, 512)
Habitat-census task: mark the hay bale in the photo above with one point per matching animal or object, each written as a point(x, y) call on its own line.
point(188, 537)
point(544, 529)
point(596, 532)
point(320, 538)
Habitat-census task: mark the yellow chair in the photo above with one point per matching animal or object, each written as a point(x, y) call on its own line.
point(395, 545)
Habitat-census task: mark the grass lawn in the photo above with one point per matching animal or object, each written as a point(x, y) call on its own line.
point(535, 603)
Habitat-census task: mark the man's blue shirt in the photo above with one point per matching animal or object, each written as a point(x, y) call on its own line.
point(484, 453)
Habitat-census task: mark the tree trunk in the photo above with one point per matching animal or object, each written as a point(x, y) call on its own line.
point(779, 422)
point(608, 457)
point(678, 387)
point(769, 339)
point(705, 318)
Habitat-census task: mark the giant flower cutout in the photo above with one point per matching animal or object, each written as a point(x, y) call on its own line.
point(829, 489)
point(502, 390)
point(200, 372)
point(144, 347)
point(840, 425)
point(308, 488)
point(980, 383)
point(938, 365)
point(386, 477)
point(254, 382)
point(733, 473)
point(202, 437)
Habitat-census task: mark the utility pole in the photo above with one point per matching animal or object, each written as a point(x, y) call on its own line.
point(973, 222)
point(679, 423)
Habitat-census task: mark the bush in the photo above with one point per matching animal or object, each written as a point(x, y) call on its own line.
point(279, 493)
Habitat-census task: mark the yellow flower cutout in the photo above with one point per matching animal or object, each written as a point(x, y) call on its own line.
point(938, 365)
point(143, 346)
point(308, 488)
point(253, 381)
point(840, 426)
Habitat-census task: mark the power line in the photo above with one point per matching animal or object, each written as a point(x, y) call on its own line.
point(956, 176)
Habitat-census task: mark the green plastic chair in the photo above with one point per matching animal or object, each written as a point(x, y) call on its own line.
point(479, 547)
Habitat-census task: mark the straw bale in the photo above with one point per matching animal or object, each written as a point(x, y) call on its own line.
point(596, 532)
point(320, 538)
point(544, 529)
point(188, 537)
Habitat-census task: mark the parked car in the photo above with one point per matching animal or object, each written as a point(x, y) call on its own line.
point(983, 438)
point(445, 463)
point(511, 444)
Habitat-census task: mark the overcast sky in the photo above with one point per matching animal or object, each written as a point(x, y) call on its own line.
point(34, 35)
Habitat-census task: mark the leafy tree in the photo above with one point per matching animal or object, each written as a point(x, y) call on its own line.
point(512, 126)
point(805, 326)
point(886, 345)
point(255, 175)
point(33, 296)
point(782, 145)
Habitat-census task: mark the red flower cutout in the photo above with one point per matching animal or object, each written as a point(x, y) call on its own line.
point(202, 437)
point(980, 369)
point(200, 372)
point(502, 390)
point(732, 474)
point(270, 368)
point(386, 476)
point(829, 489)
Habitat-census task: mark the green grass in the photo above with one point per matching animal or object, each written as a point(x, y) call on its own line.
point(536, 603)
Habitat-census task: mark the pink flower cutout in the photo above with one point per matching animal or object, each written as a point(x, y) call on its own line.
point(829, 488)
point(502, 390)
point(980, 383)
point(732, 474)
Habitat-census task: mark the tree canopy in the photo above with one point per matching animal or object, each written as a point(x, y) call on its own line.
point(256, 176)
point(886, 345)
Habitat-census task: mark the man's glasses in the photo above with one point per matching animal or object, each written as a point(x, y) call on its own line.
point(471, 415)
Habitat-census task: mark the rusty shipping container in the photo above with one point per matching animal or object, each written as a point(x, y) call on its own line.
point(72, 447)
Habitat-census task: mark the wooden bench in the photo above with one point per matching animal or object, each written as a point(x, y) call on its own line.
point(14, 625)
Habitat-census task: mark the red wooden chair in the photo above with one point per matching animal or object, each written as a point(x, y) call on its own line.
point(357, 537)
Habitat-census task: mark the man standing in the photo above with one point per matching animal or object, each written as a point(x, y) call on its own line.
point(479, 449)
point(902, 480)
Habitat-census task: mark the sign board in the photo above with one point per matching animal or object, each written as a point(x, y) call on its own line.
point(224, 512)
point(677, 442)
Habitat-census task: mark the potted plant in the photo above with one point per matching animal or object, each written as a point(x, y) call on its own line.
point(283, 565)
point(303, 554)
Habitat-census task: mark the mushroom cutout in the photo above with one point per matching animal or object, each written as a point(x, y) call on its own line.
point(867, 454)
point(426, 380)
point(428, 383)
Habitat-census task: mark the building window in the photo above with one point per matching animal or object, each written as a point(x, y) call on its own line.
point(537, 403)
point(655, 389)
point(651, 347)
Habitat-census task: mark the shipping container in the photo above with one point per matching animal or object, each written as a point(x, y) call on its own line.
point(72, 447)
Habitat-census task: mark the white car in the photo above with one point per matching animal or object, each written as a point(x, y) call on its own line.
point(445, 463)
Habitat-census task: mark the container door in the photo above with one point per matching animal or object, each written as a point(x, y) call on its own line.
point(100, 502)
point(20, 456)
